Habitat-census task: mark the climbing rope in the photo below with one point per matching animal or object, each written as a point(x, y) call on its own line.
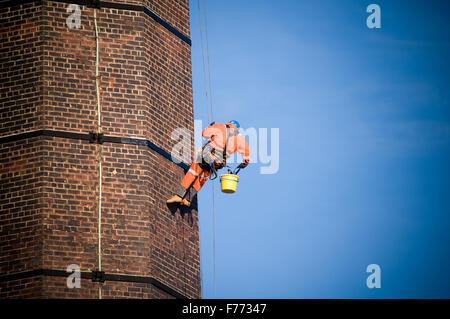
point(99, 130)
point(214, 240)
point(209, 110)
point(207, 55)
point(212, 119)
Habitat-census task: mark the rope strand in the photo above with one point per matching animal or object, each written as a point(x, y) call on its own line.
point(214, 241)
point(99, 130)
point(203, 61)
point(207, 55)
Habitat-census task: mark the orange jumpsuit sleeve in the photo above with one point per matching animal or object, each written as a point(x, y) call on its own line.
point(243, 148)
point(209, 131)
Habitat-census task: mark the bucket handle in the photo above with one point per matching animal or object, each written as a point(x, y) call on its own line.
point(214, 171)
point(236, 170)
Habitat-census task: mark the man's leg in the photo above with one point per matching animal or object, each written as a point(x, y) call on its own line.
point(196, 186)
point(203, 177)
point(188, 180)
point(194, 179)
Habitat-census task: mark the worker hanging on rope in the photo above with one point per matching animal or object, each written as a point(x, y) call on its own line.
point(224, 140)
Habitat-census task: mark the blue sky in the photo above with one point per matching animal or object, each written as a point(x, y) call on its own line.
point(364, 122)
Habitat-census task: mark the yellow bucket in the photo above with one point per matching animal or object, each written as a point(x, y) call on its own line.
point(229, 182)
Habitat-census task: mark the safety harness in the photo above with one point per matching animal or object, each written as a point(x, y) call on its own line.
point(230, 132)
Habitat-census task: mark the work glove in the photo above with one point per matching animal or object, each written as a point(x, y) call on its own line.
point(243, 165)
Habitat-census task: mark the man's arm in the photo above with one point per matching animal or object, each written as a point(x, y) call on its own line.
point(244, 150)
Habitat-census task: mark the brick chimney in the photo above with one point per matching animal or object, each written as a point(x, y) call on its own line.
point(51, 148)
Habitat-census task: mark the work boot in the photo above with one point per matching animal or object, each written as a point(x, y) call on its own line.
point(174, 199)
point(185, 202)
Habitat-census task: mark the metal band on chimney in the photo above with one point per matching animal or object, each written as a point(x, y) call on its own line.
point(111, 5)
point(92, 275)
point(95, 138)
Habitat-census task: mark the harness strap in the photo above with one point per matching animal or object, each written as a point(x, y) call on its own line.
point(230, 133)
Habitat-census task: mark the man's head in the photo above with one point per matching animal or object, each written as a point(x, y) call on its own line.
point(235, 123)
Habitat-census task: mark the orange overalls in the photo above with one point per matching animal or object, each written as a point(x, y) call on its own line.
point(221, 136)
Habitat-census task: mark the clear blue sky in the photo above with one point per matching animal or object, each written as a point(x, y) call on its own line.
point(364, 119)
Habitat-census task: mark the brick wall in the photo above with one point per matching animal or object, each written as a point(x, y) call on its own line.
point(21, 205)
point(49, 185)
point(20, 68)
